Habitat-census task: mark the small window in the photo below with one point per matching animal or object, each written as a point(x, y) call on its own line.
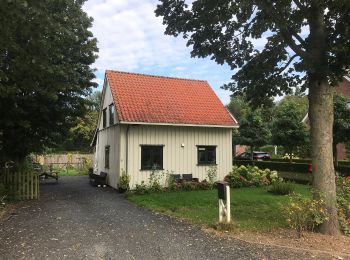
point(104, 117)
point(151, 157)
point(206, 155)
point(111, 114)
point(107, 156)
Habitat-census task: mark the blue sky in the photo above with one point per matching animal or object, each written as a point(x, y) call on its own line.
point(131, 38)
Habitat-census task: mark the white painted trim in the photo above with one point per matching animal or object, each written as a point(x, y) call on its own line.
point(234, 119)
point(347, 78)
point(174, 124)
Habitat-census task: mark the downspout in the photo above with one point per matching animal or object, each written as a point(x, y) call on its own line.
point(126, 148)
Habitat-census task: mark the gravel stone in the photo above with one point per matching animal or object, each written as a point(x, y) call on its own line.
point(73, 220)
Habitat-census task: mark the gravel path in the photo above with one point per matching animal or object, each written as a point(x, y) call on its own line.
point(73, 220)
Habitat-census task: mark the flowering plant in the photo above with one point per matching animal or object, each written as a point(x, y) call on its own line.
point(305, 213)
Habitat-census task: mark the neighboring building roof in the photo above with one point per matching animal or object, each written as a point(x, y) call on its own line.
point(343, 87)
point(164, 100)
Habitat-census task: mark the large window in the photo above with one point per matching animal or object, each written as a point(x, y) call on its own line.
point(206, 155)
point(104, 117)
point(151, 157)
point(107, 156)
point(111, 114)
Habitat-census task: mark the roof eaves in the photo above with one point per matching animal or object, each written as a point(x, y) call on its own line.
point(176, 124)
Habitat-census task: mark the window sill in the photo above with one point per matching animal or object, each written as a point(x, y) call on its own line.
point(144, 170)
point(207, 164)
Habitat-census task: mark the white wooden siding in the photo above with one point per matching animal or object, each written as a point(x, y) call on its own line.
point(180, 160)
point(107, 100)
point(109, 136)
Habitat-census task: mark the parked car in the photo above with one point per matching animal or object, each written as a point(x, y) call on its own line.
point(259, 156)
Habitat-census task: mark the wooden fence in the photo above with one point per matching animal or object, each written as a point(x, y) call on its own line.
point(64, 160)
point(24, 184)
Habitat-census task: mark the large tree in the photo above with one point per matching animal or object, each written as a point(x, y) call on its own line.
point(306, 41)
point(287, 128)
point(253, 131)
point(46, 49)
point(82, 132)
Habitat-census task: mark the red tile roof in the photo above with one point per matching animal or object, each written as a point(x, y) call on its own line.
point(155, 99)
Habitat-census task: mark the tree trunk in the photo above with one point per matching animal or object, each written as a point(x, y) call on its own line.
point(335, 154)
point(321, 117)
point(321, 123)
point(291, 155)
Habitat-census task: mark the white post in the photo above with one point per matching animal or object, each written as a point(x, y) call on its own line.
point(225, 207)
point(228, 204)
point(221, 204)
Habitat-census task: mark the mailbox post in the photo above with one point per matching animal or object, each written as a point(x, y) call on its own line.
point(224, 202)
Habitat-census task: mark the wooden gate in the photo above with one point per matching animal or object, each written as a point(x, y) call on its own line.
point(24, 184)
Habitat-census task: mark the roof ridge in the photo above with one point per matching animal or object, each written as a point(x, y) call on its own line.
point(154, 76)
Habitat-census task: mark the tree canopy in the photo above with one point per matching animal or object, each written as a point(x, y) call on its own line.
point(287, 128)
point(46, 49)
point(228, 31)
point(253, 130)
point(81, 133)
point(299, 104)
point(306, 44)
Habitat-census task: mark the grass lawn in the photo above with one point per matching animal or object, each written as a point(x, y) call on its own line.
point(252, 209)
point(71, 172)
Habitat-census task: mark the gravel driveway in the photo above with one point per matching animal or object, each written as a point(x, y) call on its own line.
point(73, 220)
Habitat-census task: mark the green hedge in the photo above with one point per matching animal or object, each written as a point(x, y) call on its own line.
point(341, 163)
point(290, 167)
point(294, 160)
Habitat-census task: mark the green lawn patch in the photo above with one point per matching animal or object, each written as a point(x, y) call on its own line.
point(72, 172)
point(252, 209)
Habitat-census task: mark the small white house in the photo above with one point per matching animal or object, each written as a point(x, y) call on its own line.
point(174, 124)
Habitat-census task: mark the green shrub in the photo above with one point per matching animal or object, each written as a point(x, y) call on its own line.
point(247, 176)
point(300, 166)
point(154, 180)
point(235, 180)
point(188, 186)
point(203, 185)
point(141, 188)
point(7, 194)
point(3, 195)
point(281, 188)
point(305, 213)
point(212, 175)
point(172, 185)
point(343, 200)
point(124, 180)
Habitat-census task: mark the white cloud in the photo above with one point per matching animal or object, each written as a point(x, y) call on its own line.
point(131, 38)
point(99, 81)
